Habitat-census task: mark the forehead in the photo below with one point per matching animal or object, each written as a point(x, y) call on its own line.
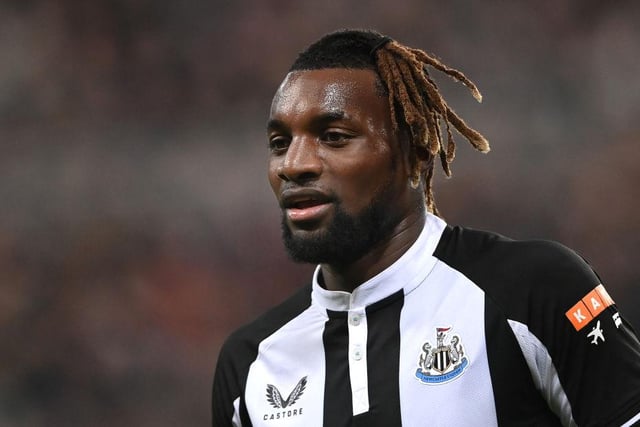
point(332, 89)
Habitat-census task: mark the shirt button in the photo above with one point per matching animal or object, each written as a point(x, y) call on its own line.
point(355, 319)
point(357, 352)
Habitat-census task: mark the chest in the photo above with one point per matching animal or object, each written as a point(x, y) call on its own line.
point(408, 360)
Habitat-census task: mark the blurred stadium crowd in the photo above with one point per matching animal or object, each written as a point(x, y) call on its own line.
point(136, 225)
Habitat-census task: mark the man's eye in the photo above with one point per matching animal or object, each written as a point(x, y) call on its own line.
point(278, 144)
point(334, 137)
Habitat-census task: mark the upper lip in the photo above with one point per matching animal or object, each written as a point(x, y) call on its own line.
point(293, 198)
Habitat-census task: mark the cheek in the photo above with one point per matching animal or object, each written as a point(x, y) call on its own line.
point(361, 183)
point(272, 175)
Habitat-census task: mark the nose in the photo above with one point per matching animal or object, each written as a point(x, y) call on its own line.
point(301, 162)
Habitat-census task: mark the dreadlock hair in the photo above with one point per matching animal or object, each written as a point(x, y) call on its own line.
point(415, 102)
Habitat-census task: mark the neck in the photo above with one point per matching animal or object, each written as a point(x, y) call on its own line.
point(348, 277)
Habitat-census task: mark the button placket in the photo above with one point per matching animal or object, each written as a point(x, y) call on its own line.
point(357, 352)
point(355, 319)
point(357, 324)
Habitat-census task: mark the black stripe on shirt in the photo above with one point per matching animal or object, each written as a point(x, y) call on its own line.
point(338, 407)
point(383, 363)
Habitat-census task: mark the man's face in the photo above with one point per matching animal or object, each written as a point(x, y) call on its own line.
point(335, 165)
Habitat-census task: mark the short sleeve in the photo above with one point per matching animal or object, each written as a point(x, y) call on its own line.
point(594, 350)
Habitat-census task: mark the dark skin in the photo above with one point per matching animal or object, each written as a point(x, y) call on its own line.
point(331, 139)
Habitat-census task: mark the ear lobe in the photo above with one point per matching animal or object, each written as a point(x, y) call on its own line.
point(421, 161)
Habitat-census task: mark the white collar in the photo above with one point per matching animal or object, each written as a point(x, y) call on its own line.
point(406, 273)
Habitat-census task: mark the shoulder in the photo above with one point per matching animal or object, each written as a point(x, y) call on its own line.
point(466, 245)
point(243, 343)
point(516, 273)
point(240, 350)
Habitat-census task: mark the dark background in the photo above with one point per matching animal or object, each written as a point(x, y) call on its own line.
point(136, 225)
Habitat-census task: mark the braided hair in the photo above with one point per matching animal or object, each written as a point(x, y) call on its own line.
point(415, 102)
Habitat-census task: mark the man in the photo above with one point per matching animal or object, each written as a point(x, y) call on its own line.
point(409, 321)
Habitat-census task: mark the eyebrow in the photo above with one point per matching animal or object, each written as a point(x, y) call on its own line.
point(329, 116)
point(275, 124)
point(319, 120)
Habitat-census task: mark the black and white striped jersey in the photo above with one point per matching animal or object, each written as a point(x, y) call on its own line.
point(467, 328)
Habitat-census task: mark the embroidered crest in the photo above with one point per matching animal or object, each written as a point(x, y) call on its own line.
point(444, 362)
point(275, 398)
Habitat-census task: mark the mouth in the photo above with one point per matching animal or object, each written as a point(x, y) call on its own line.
point(305, 205)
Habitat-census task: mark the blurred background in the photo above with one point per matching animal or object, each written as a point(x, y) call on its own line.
point(136, 225)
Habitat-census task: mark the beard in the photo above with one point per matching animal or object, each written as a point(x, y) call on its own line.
point(348, 237)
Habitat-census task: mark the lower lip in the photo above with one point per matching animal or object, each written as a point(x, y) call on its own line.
point(311, 213)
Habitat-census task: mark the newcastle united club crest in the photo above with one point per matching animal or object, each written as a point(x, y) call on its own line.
point(443, 362)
